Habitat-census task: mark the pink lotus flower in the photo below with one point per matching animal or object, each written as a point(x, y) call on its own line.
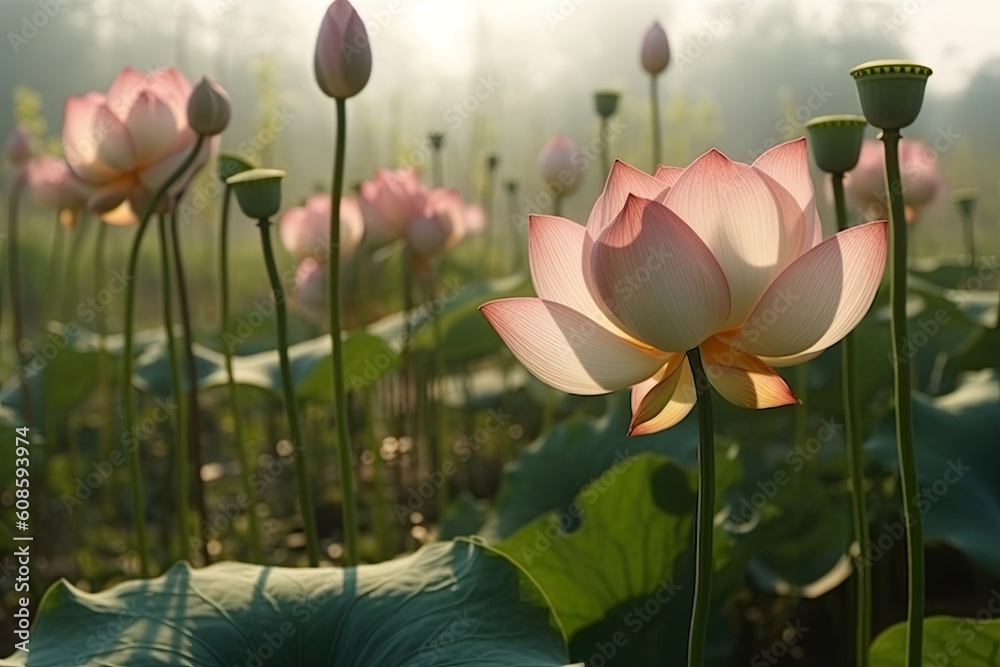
point(343, 58)
point(441, 226)
point(305, 230)
point(922, 179)
point(126, 144)
point(722, 256)
point(655, 52)
point(390, 201)
point(310, 289)
point(561, 165)
point(51, 184)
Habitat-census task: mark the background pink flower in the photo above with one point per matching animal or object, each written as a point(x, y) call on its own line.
point(305, 230)
point(922, 179)
point(51, 184)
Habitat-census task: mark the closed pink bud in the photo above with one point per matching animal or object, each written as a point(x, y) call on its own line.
point(561, 164)
point(208, 109)
point(655, 53)
point(343, 60)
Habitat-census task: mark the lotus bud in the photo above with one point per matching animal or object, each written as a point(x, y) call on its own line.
point(655, 53)
point(258, 192)
point(606, 102)
point(437, 140)
point(18, 146)
point(343, 61)
point(891, 91)
point(561, 165)
point(208, 108)
point(836, 141)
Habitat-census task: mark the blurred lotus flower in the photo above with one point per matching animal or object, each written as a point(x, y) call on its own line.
point(208, 109)
point(310, 289)
point(561, 165)
point(921, 176)
point(51, 184)
point(721, 256)
point(126, 144)
point(305, 230)
point(655, 52)
point(18, 146)
point(390, 201)
point(343, 61)
point(475, 219)
point(442, 225)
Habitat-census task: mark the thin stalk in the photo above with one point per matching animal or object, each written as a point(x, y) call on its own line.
point(182, 470)
point(437, 168)
point(970, 239)
point(435, 386)
point(704, 517)
point(654, 107)
point(193, 414)
point(104, 385)
point(72, 262)
point(17, 324)
point(244, 453)
point(557, 205)
point(291, 405)
point(602, 135)
point(53, 274)
point(856, 466)
point(904, 408)
point(339, 390)
point(128, 408)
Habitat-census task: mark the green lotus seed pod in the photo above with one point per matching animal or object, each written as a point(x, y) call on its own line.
point(836, 141)
point(258, 192)
point(891, 91)
point(606, 102)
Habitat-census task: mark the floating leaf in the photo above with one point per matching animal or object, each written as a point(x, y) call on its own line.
point(956, 642)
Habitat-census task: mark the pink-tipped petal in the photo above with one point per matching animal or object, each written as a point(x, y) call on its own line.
point(668, 175)
point(567, 350)
point(623, 180)
point(743, 379)
point(81, 138)
point(788, 164)
point(821, 296)
point(152, 127)
point(173, 88)
point(125, 90)
point(114, 147)
point(663, 400)
point(556, 259)
point(658, 278)
point(734, 210)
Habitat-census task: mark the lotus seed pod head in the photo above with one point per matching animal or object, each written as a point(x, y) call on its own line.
point(208, 108)
point(437, 140)
point(492, 162)
point(965, 199)
point(836, 141)
point(258, 192)
point(343, 61)
point(891, 91)
point(230, 164)
point(606, 102)
point(655, 53)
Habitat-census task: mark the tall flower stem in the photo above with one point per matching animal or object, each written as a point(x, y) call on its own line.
point(72, 265)
point(339, 390)
point(182, 471)
point(128, 407)
point(193, 414)
point(856, 464)
point(654, 107)
point(291, 405)
point(704, 517)
point(904, 407)
point(14, 268)
point(970, 238)
point(602, 135)
point(105, 388)
point(241, 445)
point(53, 274)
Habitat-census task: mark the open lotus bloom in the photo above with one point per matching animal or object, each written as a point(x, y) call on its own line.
point(127, 143)
point(51, 184)
point(921, 177)
point(721, 256)
point(305, 230)
point(442, 226)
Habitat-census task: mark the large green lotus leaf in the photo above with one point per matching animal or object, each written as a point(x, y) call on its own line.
point(957, 440)
point(449, 603)
point(619, 560)
point(955, 642)
point(549, 474)
point(366, 358)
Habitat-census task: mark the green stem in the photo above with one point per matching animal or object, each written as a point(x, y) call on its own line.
point(654, 106)
point(244, 453)
point(72, 262)
point(904, 408)
point(182, 471)
point(291, 405)
point(970, 240)
point(437, 167)
point(435, 386)
point(52, 274)
point(128, 408)
point(105, 387)
point(193, 414)
point(17, 323)
point(704, 518)
point(339, 390)
point(557, 205)
point(605, 149)
point(856, 465)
